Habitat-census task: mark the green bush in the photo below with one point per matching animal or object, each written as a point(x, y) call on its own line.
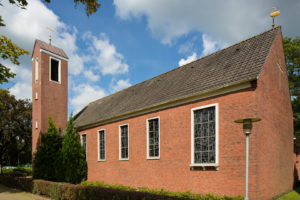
point(22, 183)
point(73, 155)
point(91, 191)
point(45, 164)
point(19, 171)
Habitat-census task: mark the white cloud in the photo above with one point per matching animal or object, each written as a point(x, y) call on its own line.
point(209, 46)
point(228, 21)
point(89, 74)
point(84, 94)
point(121, 84)
point(108, 59)
point(189, 59)
point(22, 89)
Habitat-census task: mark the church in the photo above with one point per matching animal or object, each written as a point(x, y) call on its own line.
point(176, 131)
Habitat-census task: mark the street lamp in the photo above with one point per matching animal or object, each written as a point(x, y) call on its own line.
point(247, 127)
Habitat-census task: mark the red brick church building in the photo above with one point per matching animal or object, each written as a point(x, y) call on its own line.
point(176, 131)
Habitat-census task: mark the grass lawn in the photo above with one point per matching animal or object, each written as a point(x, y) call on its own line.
point(294, 195)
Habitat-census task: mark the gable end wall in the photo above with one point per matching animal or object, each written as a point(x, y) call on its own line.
point(275, 136)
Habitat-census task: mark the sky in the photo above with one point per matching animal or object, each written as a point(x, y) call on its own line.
point(129, 41)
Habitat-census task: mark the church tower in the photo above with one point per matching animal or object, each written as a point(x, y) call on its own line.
point(49, 89)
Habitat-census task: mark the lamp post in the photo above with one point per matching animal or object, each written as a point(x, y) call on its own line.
point(247, 127)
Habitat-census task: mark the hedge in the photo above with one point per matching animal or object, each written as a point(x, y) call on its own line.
point(22, 183)
point(99, 191)
point(65, 191)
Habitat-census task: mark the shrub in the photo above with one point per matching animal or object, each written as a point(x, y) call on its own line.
point(45, 164)
point(73, 155)
point(22, 183)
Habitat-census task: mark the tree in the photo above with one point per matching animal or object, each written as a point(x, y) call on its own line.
point(73, 155)
point(45, 158)
point(9, 50)
point(15, 130)
point(292, 58)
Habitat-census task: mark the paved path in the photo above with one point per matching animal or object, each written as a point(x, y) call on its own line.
point(7, 193)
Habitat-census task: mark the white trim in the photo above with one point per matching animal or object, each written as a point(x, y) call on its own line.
point(52, 54)
point(120, 153)
point(36, 72)
point(216, 164)
point(98, 145)
point(36, 124)
point(147, 136)
point(81, 141)
point(59, 70)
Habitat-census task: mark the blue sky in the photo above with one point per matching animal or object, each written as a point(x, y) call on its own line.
point(129, 41)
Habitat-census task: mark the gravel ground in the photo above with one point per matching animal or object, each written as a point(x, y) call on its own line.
point(7, 193)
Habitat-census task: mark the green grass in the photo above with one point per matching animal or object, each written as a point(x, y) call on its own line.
point(293, 195)
point(19, 170)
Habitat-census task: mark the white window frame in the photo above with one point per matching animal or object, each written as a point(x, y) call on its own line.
point(98, 145)
point(59, 70)
point(120, 148)
point(36, 124)
point(216, 164)
point(147, 136)
point(36, 95)
point(81, 141)
point(36, 69)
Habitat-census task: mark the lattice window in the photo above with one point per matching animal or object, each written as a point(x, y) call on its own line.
point(205, 135)
point(83, 143)
point(101, 144)
point(153, 137)
point(124, 141)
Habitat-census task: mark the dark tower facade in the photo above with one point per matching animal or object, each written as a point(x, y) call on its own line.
point(49, 89)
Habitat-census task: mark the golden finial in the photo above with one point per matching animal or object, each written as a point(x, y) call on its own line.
point(50, 31)
point(273, 15)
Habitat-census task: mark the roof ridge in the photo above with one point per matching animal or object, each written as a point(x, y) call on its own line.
point(278, 27)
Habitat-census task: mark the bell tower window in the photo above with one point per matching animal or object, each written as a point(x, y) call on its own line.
point(54, 70)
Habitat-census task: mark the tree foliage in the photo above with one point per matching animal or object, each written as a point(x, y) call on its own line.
point(15, 130)
point(59, 160)
point(292, 58)
point(44, 166)
point(73, 155)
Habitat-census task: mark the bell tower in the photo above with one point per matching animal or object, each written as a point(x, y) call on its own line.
point(49, 89)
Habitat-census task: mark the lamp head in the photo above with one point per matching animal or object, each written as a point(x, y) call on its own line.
point(247, 124)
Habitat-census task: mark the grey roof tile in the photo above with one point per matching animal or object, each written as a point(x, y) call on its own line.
point(240, 62)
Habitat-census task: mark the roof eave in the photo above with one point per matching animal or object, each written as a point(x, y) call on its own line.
point(221, 90)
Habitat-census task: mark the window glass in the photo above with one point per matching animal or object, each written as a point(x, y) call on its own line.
point(83, 141)
point(124, 141)
point(101, 145)
point(204, 135)
point(153, 137)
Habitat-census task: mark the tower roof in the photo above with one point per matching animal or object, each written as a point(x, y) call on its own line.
point(51, 48)
point(236, 64)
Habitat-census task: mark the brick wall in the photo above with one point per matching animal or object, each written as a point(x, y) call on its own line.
point(275, 140)
point(52, 97)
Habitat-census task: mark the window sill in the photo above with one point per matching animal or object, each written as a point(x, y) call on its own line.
point(57, 82)
point(204, 166)
point(123, 159)
point(101, 160)
point(153, 158)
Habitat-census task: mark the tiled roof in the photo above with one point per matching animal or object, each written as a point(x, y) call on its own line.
point(51, 48)
point(240, 62)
